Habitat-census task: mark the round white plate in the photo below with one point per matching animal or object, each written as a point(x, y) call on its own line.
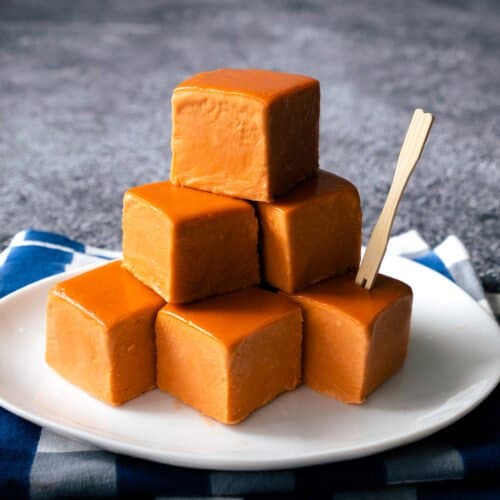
point(453, 364)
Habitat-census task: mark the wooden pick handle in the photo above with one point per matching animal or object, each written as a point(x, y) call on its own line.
point(409, 155)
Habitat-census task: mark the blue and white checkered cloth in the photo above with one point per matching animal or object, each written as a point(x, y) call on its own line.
point(462, 461)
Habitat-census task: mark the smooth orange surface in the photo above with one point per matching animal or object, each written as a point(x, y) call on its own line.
point(311, 234)
point(229, 355)
point(187, 244)
point(354, 339)
point(100, 333)
point(260, 84)
point(247, 133)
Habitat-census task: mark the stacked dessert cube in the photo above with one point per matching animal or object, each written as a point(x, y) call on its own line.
point(236, 280)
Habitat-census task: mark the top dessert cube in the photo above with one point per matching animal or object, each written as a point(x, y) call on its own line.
point(260, 84)
point(246, 133)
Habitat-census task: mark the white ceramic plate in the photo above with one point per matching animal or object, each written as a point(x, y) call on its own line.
point(453, 364)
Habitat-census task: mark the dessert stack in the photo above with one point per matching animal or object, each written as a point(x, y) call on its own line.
point(237, 275)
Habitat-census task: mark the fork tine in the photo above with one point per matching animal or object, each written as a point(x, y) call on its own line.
point(411, 132)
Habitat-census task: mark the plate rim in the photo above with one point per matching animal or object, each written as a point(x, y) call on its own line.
point(186, 459)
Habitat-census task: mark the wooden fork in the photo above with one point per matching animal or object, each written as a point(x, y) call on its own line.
point(409, 155)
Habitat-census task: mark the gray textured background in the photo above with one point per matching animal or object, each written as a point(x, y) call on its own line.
point(85, 88)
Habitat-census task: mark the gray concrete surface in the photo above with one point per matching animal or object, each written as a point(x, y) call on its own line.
point(85, 88)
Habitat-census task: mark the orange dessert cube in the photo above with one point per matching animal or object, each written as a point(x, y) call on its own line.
point(187, 244)
point(246, 133)
point(229, 355)
point(100, 333)
point(354, 339)
point(311, 234)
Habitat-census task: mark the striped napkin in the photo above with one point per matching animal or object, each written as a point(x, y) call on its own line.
point(462, 461)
